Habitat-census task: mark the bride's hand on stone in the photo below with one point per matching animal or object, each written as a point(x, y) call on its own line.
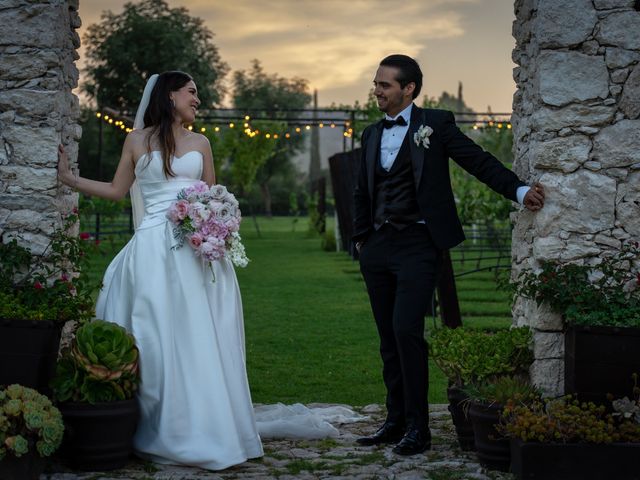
point(64, 169)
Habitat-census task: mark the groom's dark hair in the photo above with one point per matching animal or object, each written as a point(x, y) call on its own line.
point(409, 71)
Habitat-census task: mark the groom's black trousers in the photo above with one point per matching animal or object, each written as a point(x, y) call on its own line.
point(400, 269)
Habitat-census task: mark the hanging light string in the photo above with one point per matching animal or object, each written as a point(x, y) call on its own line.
point(124, 123)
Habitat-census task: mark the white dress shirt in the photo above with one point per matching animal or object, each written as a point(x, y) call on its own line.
point(392, 138)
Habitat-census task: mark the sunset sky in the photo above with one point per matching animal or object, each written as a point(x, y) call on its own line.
point(337, 44)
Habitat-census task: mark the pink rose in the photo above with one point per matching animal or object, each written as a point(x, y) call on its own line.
point(195, 240)
point(182, 208)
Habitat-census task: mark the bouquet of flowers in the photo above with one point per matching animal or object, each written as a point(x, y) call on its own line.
point(208, 219)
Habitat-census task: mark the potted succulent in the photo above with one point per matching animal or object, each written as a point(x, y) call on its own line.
point(600, 305)
point(487, 399)
point(31, 429)
point(564, 439)
point(95, 384)
point(468, 356)
point(39, 293)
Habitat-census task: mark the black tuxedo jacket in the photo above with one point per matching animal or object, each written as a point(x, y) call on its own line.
point(431, 174)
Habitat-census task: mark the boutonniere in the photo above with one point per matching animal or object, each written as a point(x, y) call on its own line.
point(422, 135)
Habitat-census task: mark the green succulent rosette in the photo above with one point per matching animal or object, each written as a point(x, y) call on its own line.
point(100, 366)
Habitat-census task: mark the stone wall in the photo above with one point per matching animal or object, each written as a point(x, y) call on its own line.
point(38, 45)
point(576, 126)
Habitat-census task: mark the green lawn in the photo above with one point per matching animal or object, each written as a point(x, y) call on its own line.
point(309, 331)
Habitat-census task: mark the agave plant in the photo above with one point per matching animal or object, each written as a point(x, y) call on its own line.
point(101, 365)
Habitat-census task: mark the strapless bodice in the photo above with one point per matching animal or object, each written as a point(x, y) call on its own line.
point(158, 191)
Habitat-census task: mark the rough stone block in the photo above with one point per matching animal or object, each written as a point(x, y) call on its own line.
point(620, 57)
point(620, 75)
point(564, 23)
point(548, 376)
point(29, 178)
point(32, 25)
point(32, 145)
point(576, 115)
point(27, 65)
point(565, 154)
point(540, 317)
point(616, 30)
point(567, 77)
point(568, 205)
point(548, 345)
point(34, 103)
point(609, 4)
point(618, 145)
point(630, 100)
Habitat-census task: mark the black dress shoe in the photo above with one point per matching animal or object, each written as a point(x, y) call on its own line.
point(415, 441)
point(390, 432)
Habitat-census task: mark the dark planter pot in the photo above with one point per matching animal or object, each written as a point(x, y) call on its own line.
point(601, 360)
point(26, 467)
point(98, 437)
point(461, 422)
point(492, 447)
point(28, 352)
point(574, 461)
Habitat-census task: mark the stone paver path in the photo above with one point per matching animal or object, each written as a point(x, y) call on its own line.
point(335, 458)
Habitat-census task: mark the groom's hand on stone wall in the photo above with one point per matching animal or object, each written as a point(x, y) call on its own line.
point(534, 198)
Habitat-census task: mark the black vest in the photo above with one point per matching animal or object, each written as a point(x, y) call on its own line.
point(395, 192)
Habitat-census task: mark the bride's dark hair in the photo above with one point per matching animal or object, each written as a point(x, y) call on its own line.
point(160, 115)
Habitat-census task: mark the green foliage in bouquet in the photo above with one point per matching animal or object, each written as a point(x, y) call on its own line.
point(468, 356)
point(101, 365)
point(604, 294)
point(49, 286)
point(28, 423)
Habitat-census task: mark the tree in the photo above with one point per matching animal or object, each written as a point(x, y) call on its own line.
point(256, 90)
point(123, 50)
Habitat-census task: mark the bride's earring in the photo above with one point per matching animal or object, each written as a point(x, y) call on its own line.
point(173, 103)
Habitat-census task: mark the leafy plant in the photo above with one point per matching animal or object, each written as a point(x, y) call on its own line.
point(508, 388)
point(603, 294)
point(470, 356)
point(47, 286)
point(329, 241)
point(101, 365)
point(28, 422)
point(317, 220)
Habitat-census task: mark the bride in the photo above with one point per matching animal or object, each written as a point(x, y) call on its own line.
point(194, 396)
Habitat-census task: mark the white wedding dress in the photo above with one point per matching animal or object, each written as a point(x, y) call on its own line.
point(194, 396)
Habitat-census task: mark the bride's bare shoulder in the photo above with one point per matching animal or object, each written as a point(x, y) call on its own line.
point(136, 142)
point(201, 141)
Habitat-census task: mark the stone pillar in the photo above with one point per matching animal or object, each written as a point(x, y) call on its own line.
point(38, 45)
point(577, 131)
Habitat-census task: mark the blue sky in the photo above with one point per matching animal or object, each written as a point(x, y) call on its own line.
point(337, 44)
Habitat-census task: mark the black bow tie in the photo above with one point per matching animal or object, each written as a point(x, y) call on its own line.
point(392, 123)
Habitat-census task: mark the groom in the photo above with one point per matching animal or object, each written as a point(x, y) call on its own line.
point(405, 215)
